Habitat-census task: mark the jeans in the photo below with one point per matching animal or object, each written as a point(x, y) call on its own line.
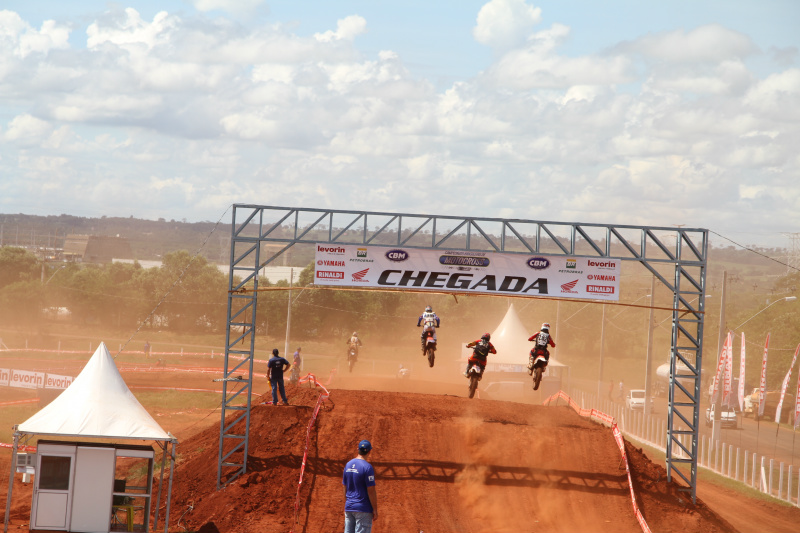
point(355, 522)
point(277, 384)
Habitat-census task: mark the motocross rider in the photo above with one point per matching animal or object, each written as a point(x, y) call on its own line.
point(481, 348)
point(430, 322)
point(353, 342)
point(541, 341)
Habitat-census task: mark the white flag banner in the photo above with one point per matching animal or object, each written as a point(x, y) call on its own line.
point(797, 403)
point(741, 376)
point(784, 385)
point(727, 382)
point(762, 389)
point(352, 265)
point(720, 369)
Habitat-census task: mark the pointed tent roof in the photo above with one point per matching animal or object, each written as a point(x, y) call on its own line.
point(510, 339)
point(98, 403)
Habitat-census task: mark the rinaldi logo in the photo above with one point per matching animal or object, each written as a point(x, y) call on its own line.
point(327, 274)
point(600, 289)
point(567, 287)
point(359, 276)
point(361, 252)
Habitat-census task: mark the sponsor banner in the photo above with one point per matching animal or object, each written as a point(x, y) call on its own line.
point(54, 381)
point(784, 385)
point(26, 380)
point(720, 369)
point(350, 265)
point(762, 389)
point(5, 376)
point(741, 377)
point(797, 403)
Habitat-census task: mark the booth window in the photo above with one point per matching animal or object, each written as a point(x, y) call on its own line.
point(54, 472)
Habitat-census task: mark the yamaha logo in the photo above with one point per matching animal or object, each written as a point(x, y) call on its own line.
point(538, 263)
point(397, 255)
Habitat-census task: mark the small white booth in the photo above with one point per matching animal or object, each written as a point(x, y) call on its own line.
point(87, 486)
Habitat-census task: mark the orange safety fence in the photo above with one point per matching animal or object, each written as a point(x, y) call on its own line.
point(595, 414)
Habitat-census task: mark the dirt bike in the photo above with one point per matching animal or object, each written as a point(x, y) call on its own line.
point(475, 375)
point(537, 368)
point(352, 357)
point(295, 375)
point(430, 347)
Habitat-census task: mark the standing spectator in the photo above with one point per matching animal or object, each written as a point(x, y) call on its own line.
point(361, 500)
point(297, 362)
point(147, 348)
point(275, 369)
point(621, 391)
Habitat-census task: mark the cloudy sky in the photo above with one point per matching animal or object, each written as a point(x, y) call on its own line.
point(623, 111)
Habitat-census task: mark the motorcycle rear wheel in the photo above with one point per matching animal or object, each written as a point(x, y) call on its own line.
point(537, 378)
point(473, 385)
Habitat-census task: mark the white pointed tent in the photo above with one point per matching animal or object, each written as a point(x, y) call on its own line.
point(510, 339)
point(98, 404)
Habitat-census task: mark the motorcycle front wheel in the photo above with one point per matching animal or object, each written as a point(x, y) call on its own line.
point(537, 378)
point(473, 385)
point(431, 356)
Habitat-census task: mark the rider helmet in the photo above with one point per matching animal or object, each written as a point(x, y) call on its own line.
point(486, 336)
point(355, 334)
point(429, 309)
point(545, 327)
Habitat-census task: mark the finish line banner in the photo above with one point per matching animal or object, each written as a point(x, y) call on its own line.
point(352, 265)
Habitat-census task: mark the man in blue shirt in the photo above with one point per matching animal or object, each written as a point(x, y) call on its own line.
point(275, 368)
point(361, 500)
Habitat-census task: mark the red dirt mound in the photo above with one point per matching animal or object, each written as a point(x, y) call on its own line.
point(443, 463)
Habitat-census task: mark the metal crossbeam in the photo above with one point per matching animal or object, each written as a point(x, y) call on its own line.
point(256, 229)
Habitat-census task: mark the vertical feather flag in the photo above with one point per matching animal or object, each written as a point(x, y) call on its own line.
point(727, 381)
point(762, 390)
point(741, 377)
point(720, 369)
point(784, 385)
point(797, 403)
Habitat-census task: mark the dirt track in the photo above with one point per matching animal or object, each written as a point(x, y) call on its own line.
point(444, 464)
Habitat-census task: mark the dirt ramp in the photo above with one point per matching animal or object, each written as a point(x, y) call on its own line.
point(444, 464)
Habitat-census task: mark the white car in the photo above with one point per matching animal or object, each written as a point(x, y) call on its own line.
point(635, 399)
point(727, 417)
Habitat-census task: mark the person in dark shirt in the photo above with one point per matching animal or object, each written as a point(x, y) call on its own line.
point(275, 369)
point(361, 500)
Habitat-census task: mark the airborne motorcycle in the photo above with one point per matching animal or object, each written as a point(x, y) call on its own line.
point(352, 356)
point(475, 374)
point(430, 347)
point(537, 367)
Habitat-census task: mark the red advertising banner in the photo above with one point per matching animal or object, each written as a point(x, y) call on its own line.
point(741, 376)
point(762, 389)
point(797, 403)
point(784, 385)
point(720, 369)
point(727, 382)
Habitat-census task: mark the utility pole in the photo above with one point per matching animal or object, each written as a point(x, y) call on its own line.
point(602, 346)
point(289, 313)
point(720, 343)
point(648, 371)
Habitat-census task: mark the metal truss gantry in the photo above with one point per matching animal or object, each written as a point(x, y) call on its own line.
point(261, 234)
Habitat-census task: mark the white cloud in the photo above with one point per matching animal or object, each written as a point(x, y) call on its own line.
point(27, 130)
point(24, 40)
point(504, 24)
point(711, 43)
point(231, 6)
point(347, 29)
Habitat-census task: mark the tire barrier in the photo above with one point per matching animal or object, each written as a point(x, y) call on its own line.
point(594, 414)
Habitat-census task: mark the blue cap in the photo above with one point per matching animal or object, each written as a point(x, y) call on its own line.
point(364, 446)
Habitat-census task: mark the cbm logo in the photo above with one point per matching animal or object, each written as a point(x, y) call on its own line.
point(397, 255)
point(538, 263)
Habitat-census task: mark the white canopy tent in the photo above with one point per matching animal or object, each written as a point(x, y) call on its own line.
point(510, 339)
point(97, 405)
